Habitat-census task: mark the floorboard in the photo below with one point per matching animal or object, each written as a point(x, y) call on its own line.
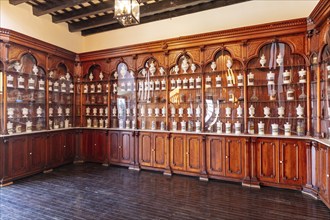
point(92, 191)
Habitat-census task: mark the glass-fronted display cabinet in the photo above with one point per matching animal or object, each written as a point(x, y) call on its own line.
point(185, 88)
point(224, 95)
point(325, 92)
point(26, 96)
point(151, 96)
point(95, 98)
point(123, 110)
point(313, 98)
point(276, 92)
point(2, 101)
point(60, 98)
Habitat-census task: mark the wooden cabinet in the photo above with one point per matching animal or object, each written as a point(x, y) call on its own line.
point(37, 152)
point(69, 147)
point(292, 162)
point(215, 155)
point(235, 157)
point(121, 147)
point(153, 149)
point(324, 174)
point(17, 154)
point(95, 144)
point(186, 153)
point(281, 161)
point(226, 156)
point(61, 148)
point(267, 159)
point(24, 155)
point(55, 149)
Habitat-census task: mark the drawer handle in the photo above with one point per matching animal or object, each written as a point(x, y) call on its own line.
point(328, 175)
point(30, 153)
point(281, 161)
point(227, 157)
point(64, 146)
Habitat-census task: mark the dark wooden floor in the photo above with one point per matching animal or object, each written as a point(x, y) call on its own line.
point(90, 191)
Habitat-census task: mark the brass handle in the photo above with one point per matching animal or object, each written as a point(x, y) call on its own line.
point(152, 150)
point(30, 153)
point(328, 175)
point(227, 157)
point(119, 147)
point(95, 145)
point(281, 161)
point(64, 146)
point(187, 153)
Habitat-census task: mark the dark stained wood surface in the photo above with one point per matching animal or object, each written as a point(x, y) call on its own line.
point(91, 191)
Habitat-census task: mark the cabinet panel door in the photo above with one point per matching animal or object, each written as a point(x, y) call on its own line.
point(235, 157)
point(18, 156)
point(145, 148)
point(215, 156)
point(193, 147)
point(114, 146)
point(160, 151)
point(323, 173)
point(55, 149)
point(125, 147)
point(100, 141)
point(290, 158)
point(37, 148)
point(88, 145)
point(178, 153)
point(69, 147)
point(267, 160)
point(328, 175)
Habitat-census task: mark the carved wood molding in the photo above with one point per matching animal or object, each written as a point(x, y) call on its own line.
point(227, 36)
point(7, 35)
point(320, 13)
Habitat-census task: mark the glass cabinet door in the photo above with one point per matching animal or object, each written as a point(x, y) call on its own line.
point(60, 98)
point(151, 96)
point(277, 96)
point(325, 93)
point(123, 98)
point(313, 99)
point(2, 114)
point(224, 95)
point(185, 96)
point(26, 96)
point(95, 89)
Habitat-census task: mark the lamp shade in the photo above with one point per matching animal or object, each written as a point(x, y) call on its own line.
point(127, 12)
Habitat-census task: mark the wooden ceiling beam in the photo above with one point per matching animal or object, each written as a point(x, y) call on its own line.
point(164, 15)
point(53, 6)
point(83, 12)
point(107, 6)
point(16, 2)
point(145, 10)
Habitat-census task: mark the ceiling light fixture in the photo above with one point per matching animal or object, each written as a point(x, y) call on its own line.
point(127, 12)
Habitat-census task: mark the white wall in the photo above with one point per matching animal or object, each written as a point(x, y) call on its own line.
point(239, 15)
point(20, 18)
